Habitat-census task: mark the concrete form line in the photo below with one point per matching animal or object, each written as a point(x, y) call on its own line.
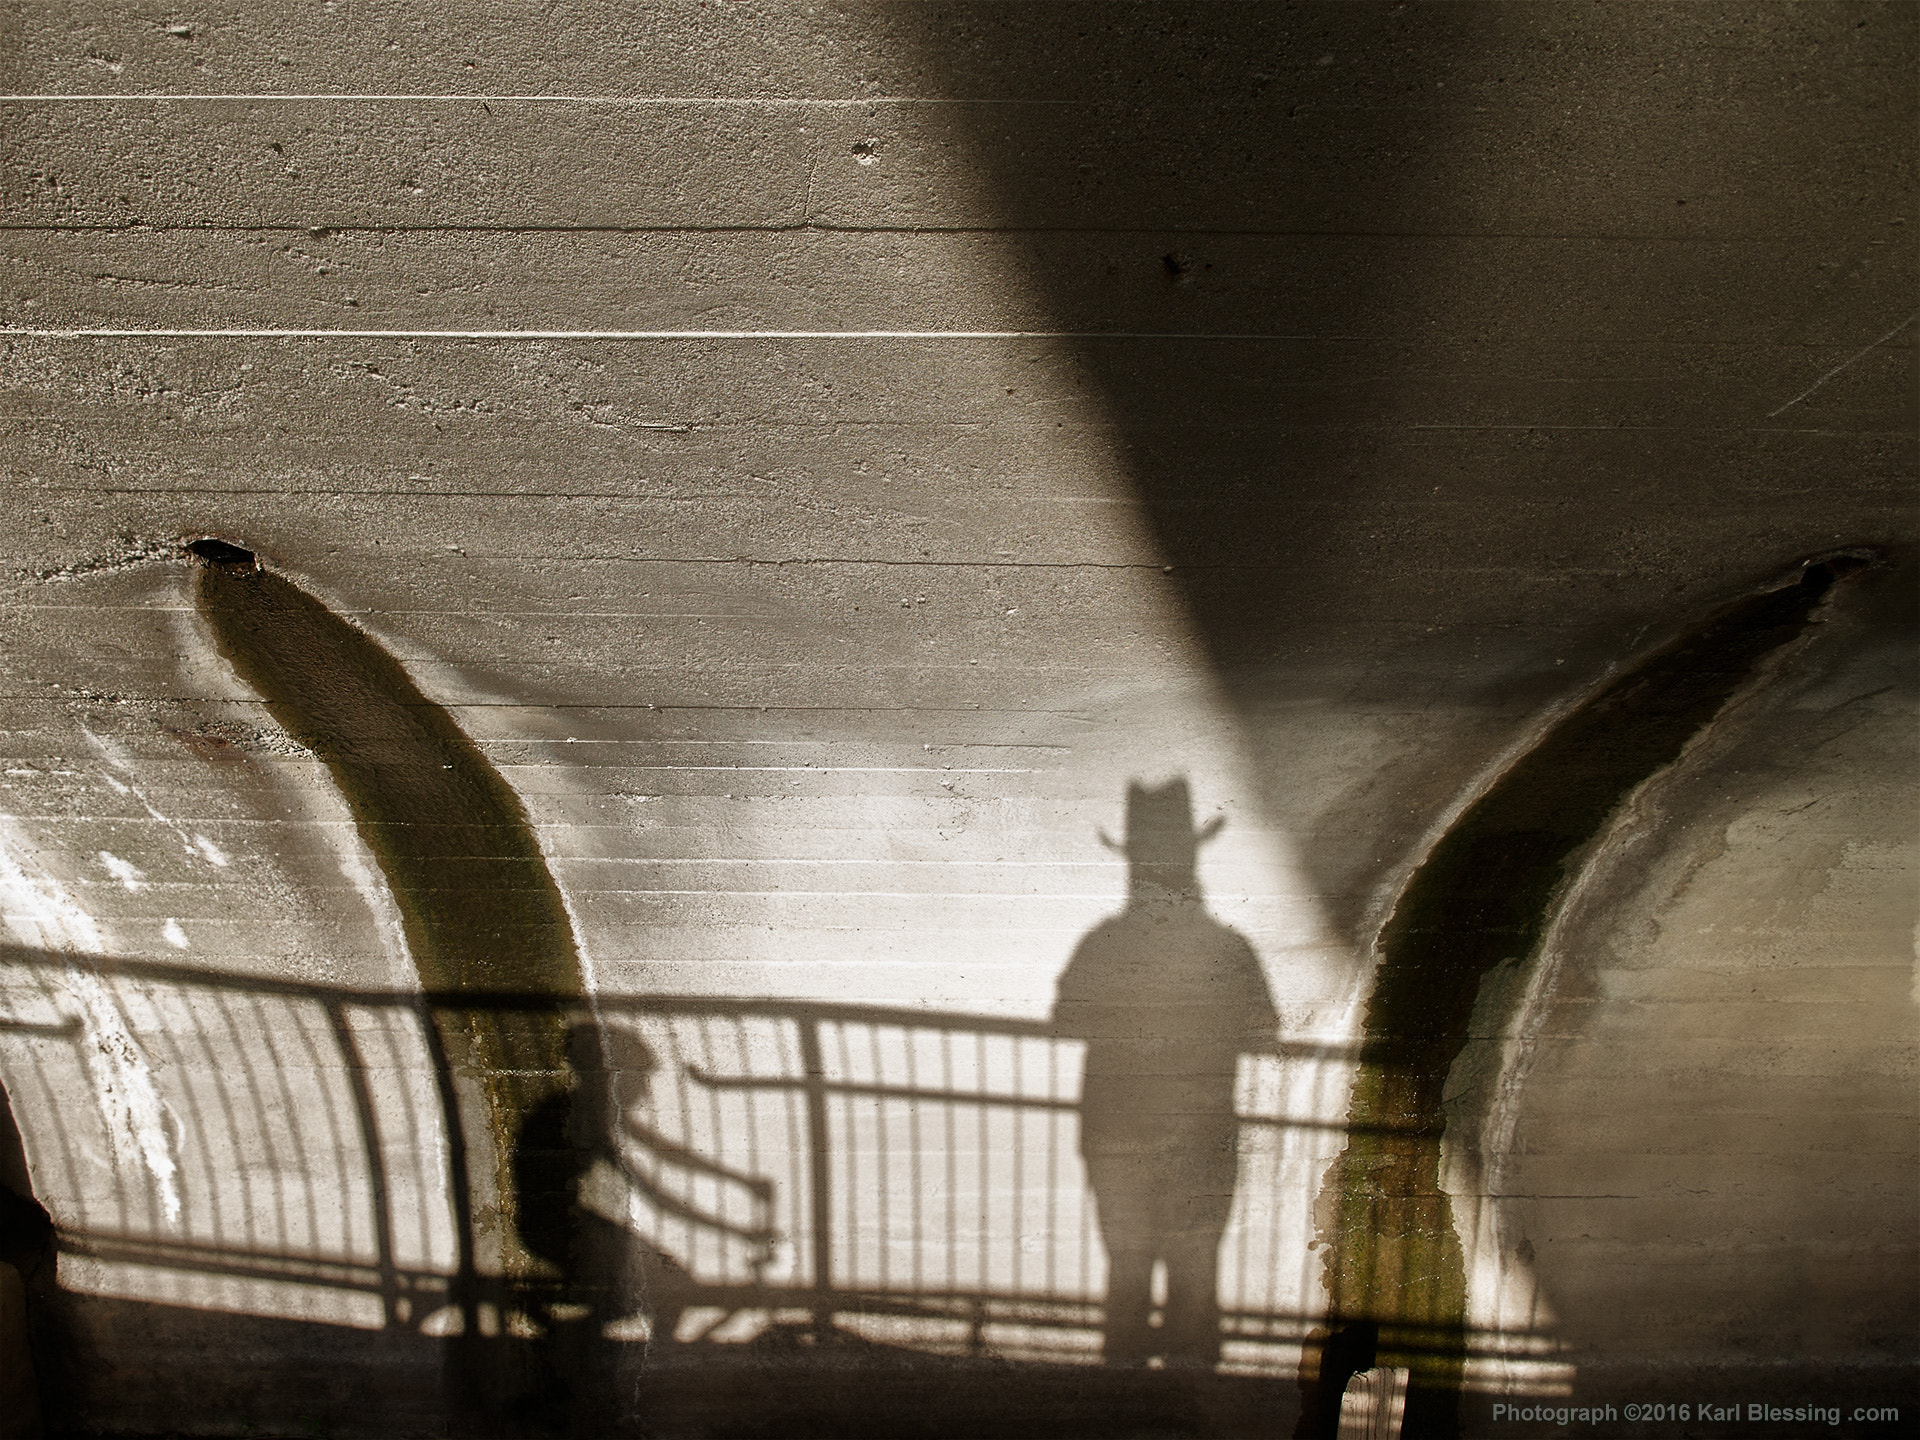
point(311, 97)
point(265, 333)
point(788, 769)
point(819, 224)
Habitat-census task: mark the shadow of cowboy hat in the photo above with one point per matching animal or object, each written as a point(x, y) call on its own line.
point(1160, 829)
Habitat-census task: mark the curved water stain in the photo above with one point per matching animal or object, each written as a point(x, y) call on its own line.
point(1485, 894)
point(483, 917)
point(480, 909)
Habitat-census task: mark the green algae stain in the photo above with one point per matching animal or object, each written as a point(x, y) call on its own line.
point(1484, 896)
point(482, 915)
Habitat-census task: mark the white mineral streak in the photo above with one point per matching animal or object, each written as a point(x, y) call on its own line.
point(125, 871)
point(372, 889)
point(118, 759)
point(40, 913)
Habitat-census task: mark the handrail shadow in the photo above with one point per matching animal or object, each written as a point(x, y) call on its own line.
point(813, 1173)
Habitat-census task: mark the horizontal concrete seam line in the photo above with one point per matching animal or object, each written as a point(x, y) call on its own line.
point(1640, 429)
point(621, 497)
point(567, 826)
point(843, 227)
point(1577, 347)
point(935, 897)
point(571, 746)
point(557, 615)
point(922, 564)
point(794, 769)
point(971, 428)
point(802, 744)
point(751, 708)
point(109, 886)
point(998, 897)
point(728, 615)
point(799, 744)
point(753, 860)
point(840, 810)
point(212, 923)
point(736, 102)
point(1515, 1195)
point(266, 333)
point(747, 102)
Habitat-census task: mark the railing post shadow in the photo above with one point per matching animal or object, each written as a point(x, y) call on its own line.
point(376, 1165)
point(819, 1174)
point(463, 1292)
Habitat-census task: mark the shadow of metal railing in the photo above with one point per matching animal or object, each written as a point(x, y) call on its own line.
point(274, 1148)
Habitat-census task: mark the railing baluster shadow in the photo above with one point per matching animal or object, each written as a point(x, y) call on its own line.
point(928, 1251)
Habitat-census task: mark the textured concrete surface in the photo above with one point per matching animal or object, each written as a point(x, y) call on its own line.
point(1317, 402)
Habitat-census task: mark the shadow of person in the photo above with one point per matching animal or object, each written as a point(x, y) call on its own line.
point(1166, 999)
point(586, 1165)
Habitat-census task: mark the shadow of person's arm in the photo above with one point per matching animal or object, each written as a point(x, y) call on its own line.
point(675, 1153)
point(672, 1152)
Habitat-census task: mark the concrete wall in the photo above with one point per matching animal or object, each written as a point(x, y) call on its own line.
point(819, 457)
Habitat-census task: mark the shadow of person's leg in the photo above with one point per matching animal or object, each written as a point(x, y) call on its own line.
point(1196, 1223)
point(1191, 1335)
point(1123, 1193)
point(602, 1284)
point(1129, 1337)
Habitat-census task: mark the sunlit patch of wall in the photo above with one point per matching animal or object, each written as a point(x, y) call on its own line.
point(195, 1149)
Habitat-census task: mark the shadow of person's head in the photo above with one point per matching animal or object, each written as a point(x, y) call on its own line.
point(1162, 846)
point(613, 1066)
